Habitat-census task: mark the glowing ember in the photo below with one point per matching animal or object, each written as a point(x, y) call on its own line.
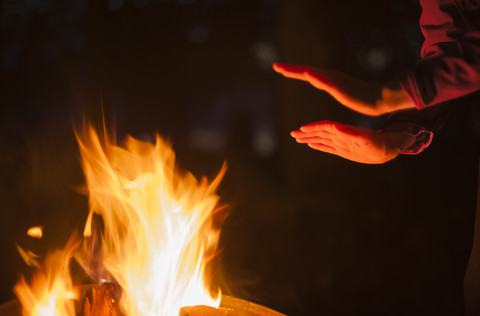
point(35, 232)
point(157, 239)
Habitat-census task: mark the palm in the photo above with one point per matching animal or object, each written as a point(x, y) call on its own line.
point(358, 144)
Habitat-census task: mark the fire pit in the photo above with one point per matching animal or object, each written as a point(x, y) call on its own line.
point(159, 231)
point(241, 307)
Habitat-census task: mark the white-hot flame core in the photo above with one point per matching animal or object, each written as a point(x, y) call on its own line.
point(158, 234)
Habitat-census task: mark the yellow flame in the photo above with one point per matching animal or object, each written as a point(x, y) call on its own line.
point(158, 231)
point(51, 291)
point(29, 257)
point(35, 232)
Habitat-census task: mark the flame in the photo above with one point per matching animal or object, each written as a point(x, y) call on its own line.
point(51, 291)
point(35, 232)
point(158, 233)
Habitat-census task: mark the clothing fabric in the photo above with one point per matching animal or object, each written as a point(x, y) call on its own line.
point(450, 65)
point(449, 69)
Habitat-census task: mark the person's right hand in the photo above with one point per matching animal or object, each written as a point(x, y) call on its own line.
point(362, 97)
point(360, 144)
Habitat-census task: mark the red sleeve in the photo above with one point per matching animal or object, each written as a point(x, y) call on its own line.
point(450, 65)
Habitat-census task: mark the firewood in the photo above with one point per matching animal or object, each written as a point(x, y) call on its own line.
point(202, 310)
point(102, 301)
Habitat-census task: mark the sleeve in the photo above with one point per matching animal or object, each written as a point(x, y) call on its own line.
point(450, 65)
point(422, 124)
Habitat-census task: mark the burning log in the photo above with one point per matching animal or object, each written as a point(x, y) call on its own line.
point(202, 310)
point(102, 301)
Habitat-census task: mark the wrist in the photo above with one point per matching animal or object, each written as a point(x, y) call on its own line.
point(397, 142)
point(392, 98)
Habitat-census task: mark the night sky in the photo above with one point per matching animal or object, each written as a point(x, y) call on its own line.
point(308, 233)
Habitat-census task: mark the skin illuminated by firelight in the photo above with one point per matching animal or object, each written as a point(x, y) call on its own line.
point(358, 144)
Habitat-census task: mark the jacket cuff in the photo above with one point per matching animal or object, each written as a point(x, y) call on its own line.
point(423, 137)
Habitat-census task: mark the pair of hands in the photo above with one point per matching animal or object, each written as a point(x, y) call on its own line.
point(358, 144)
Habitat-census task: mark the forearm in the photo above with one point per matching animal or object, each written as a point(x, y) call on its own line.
point(364, 98)
point(357, 95)
point(392, 98)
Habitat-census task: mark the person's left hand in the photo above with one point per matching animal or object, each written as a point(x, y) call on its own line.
point(360, 144)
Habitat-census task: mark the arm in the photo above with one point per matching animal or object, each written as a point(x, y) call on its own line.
point(359, 96)
point(450, 69)
point(359, 144)
point(450, 65)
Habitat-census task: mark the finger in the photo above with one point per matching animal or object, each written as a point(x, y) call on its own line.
point(324, 134)
point(324, 148)
point(314, 139)
point(292, 71)
point(339, 144)
point(329, 126)
point(297, 133)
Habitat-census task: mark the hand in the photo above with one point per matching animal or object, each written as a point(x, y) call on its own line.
point(364, 98)
point(360, 144)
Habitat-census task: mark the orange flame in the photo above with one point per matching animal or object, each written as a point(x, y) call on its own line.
point(51, 292)
point(157, 239)
point(35, 232)
point(158, 230)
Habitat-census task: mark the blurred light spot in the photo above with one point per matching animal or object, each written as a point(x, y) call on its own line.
point(115, 4)
point(35, 232)
point(140, 3)
point(375, 58)
point(185, 2)
point(265, 53)
point(264, 142)
point(205, 139)
point(198, 34)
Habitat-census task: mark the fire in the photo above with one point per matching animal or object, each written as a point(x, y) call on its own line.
point(35, 232)
point(158, 235)
point(51, 292)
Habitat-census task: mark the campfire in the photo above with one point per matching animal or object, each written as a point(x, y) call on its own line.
point(149, 238)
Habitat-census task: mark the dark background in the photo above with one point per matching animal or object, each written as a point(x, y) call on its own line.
point(308, 233)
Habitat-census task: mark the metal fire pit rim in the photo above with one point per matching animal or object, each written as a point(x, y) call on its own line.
point(243, 307)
